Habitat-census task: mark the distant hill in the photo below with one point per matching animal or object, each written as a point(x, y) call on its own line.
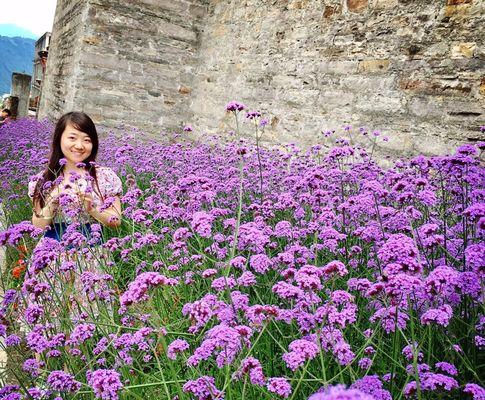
point(12, 30)
point(17, 55)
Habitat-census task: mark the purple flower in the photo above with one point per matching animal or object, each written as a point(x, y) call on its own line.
point(32, 366)
point(63, 382)
point(300, 351)
point(9, 392)
point(400, 249)
point(372, 386)
point(238, 262)
point(12, 340)
point(33, 313)
point(430, 381)
point(177, 346)
point(475, 390)
point(365, 363)
point(246, 279)
point(105, 383)
point(235, 106)
point(450, 369)
point(440, 316)
point(251, 114)
point(202, 223)
point(203, 388)
point(80, 334)
point(339, 392)
point(335, 267)
point(260, 263)
point(279, 386)
point(253, 367)
point(223, 341)
point(9, 297)
point(138, 289)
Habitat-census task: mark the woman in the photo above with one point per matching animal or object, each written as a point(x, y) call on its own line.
point(71, 198)
point(73, 188)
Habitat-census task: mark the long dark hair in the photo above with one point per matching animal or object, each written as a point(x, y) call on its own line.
point(82, 122)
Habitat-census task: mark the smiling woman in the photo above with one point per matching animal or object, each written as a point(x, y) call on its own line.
point(71, 198)
point(73, 188)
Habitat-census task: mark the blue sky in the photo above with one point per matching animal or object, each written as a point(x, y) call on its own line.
point(36, 16)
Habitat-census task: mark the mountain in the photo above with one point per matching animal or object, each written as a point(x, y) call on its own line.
point(12, 30)
point(17, 56)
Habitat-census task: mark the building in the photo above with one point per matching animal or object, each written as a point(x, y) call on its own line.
point(412, 69)
point(40, 60)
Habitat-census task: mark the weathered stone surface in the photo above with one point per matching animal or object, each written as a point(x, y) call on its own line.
point(357, 5)
point(132, 62)
point(458, 10)
point(374, 65)
point(414, 69)
point(21, 90)
point(456, 2)
point(461, 50)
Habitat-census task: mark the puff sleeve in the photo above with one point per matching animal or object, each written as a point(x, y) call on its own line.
point(111, 183)
point(32, 184)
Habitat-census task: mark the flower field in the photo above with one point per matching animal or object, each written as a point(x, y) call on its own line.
point(241, 272)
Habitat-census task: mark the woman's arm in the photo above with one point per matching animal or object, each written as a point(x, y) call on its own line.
point(111, 217)
point(42, 217)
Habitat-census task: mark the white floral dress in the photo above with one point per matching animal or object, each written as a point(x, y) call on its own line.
point(70, 275)
point(109, 186)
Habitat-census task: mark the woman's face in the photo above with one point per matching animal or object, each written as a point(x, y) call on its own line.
point(75, 145)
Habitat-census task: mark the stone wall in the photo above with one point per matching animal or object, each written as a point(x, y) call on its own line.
point(21, 90)
point(61, 84)
point(413, 69)
point(134, 62)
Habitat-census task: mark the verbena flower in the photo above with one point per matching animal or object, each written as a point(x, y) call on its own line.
point(203, 388)
point(106, 383)
point(339, 392)
point(63, 382)
point(252, 367)
point(177, 346)
point(279, 386)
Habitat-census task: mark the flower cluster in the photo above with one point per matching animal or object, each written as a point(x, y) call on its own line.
point(243, 271)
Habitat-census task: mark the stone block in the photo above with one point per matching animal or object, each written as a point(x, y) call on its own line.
point(297, 5)
point(417, 85)
point(457, 2)
point(445, 86)
point(461, 50)
point(220, 30)
point(367, 83)
point(21, 89)
point(357, 5)
point(330, 11)
point(482, 87)
point(92, 40)
point(459, 10)
point(184, 89)
point(338, 67)
point(374, 66)
point(430, 145)
point(329, 99)
point(384, 4)
point(376, 103)
point(425, 108)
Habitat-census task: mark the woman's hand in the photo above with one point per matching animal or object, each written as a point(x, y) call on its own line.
point(86, 201)
point(42, 217)
point(110, 217)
